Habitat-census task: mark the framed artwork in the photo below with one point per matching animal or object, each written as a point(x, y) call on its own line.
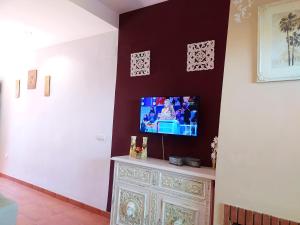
point(279, 41)
point(47, 86)
point(32, 76)
point(18, 88)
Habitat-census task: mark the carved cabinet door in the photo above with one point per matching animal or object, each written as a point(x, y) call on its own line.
point(176, 211)
point(131, 205)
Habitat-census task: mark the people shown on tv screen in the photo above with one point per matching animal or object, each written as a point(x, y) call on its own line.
point(170, 115)
point(168, 112)
point(149, 121)
point(183, 114)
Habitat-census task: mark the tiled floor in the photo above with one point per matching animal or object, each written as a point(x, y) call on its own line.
point(36, 208)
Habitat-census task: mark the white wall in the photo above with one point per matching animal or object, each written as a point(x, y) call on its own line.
point(100, 10)
point(258, 161)
point(51, 141)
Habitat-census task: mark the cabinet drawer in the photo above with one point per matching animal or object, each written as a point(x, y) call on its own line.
point(135, 173)
point(183, 184)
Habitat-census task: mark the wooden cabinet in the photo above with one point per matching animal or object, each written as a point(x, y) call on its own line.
point(131, 204)
point(153, 192)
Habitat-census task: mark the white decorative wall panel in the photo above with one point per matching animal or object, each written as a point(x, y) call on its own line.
point(201, 56)
point(140, 64)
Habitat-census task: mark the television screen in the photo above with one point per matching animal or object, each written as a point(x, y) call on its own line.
point(169, 115)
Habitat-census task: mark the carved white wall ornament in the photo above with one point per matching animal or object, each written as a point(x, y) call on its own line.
point(201, 56)
point(242, 8)
point(140, 64)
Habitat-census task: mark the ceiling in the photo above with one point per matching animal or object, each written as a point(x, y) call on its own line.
point(37, 24)
point(41, 23)
point(122, 6)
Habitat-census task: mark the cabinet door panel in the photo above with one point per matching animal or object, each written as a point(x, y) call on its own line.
point(131, 206)
point(175, 211)
point(173, 214)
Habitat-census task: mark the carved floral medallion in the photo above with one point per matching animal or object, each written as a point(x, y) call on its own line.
point(201, 56)
point(140, 64)
point(242, 8)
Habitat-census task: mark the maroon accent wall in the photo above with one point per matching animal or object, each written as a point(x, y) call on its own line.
point(166, 29)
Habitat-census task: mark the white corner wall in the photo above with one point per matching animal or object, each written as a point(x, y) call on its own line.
point(100, 10)
point(53, 142)
point(258, 161)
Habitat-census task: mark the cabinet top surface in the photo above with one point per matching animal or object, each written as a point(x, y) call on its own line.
point(203, 172)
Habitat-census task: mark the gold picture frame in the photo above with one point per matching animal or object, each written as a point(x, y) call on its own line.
point(278, 41)
point(47, 86)
point(18, 82)
point(32, 77)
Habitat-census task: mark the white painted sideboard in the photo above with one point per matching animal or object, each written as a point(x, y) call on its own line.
point(153, 192)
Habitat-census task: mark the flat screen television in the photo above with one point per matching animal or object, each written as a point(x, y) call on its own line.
point(169, 115)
